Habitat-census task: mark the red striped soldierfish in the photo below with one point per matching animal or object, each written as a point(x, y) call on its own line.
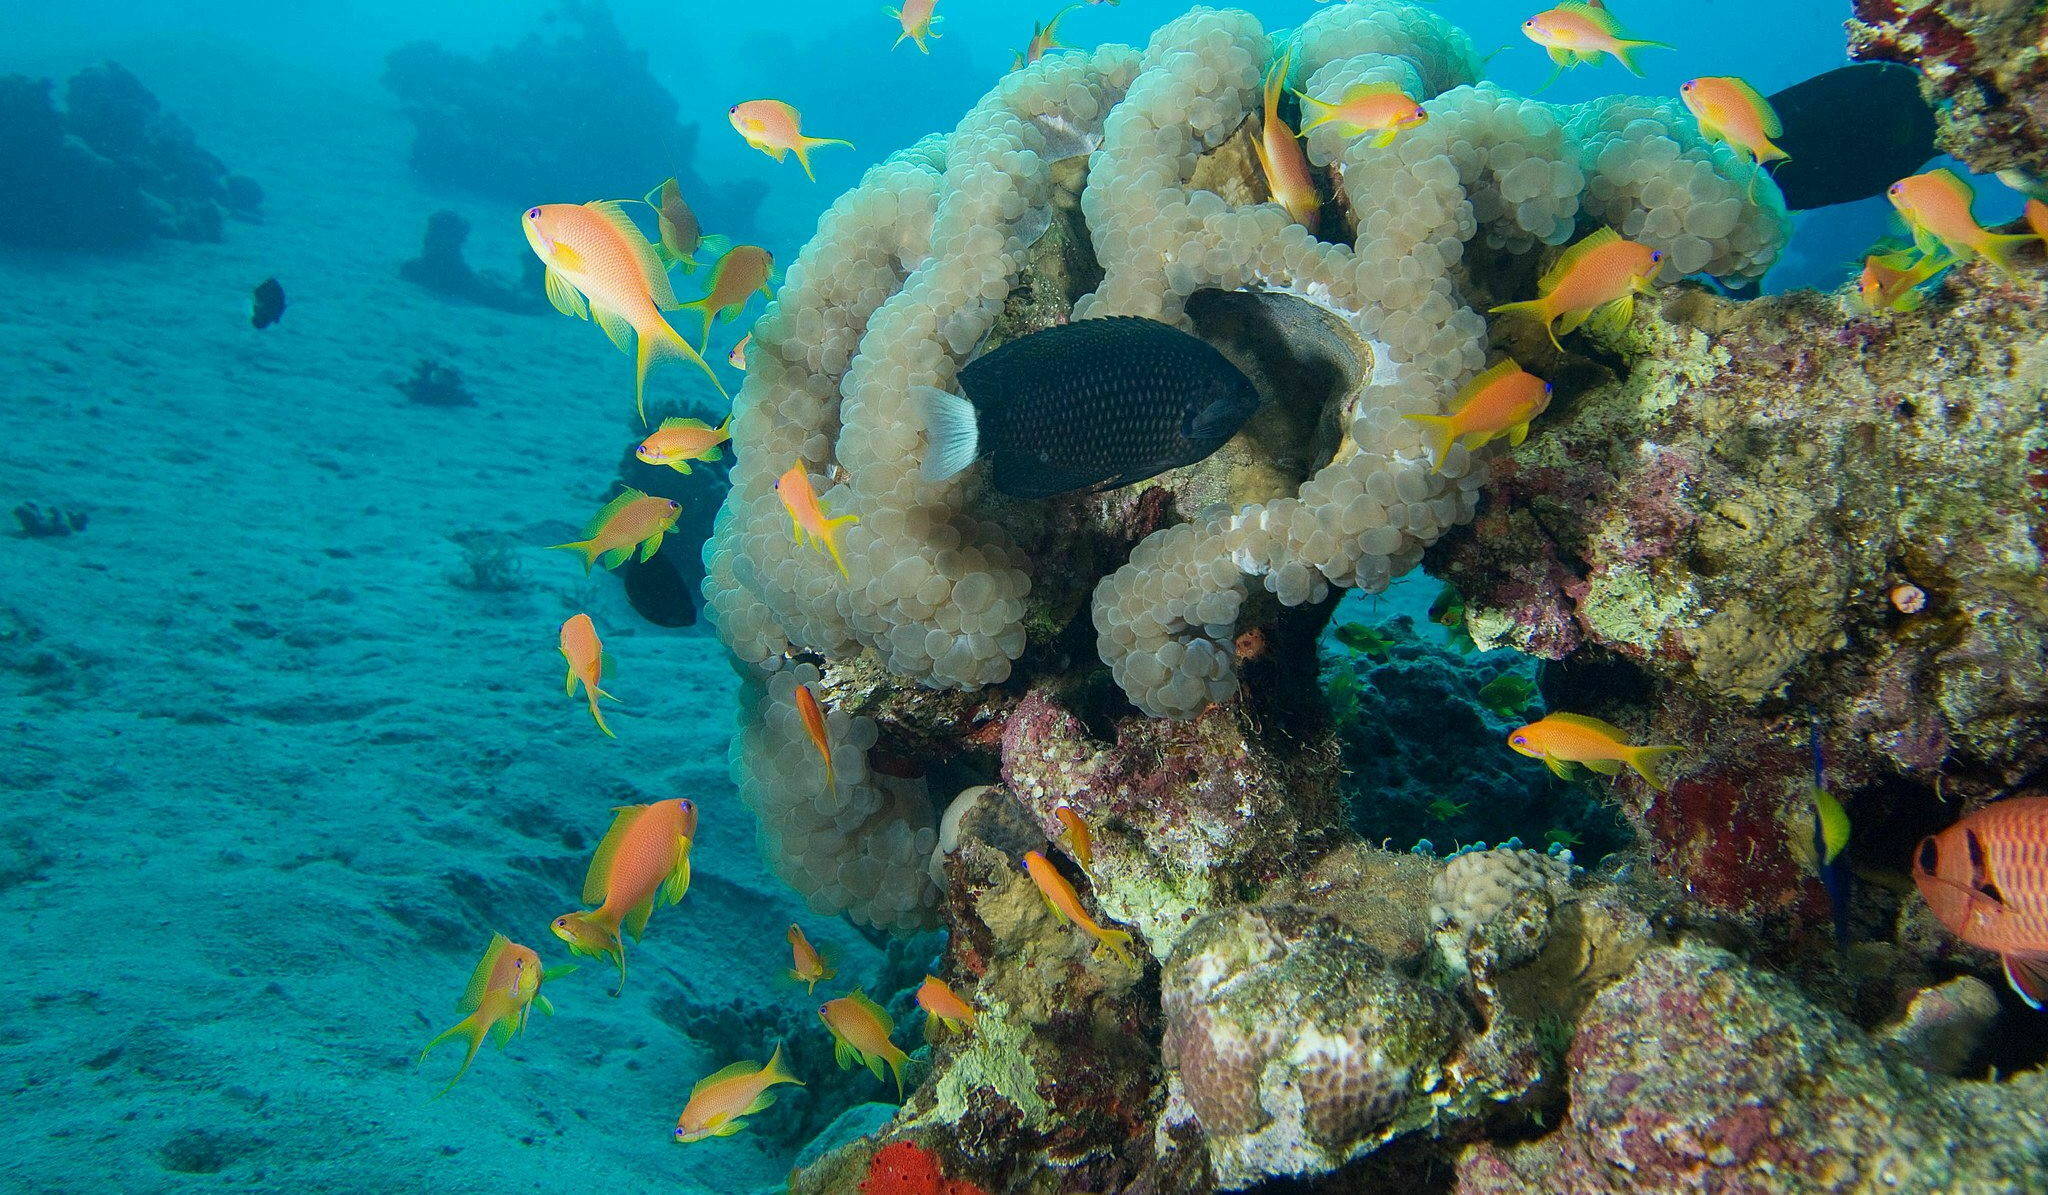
point(679, 441)
point(588, 662)
point(1065, 904)
point(860, 1033)
point(720, 1100)
point(643, 860)
point(600, 267)
point(808, 964)
point(808, 516)
point(1560, 740)
point(1498, 402)
point(1986, 878)
point(1382, 109)
point(502, 991)
point(631, 520)
point(1280, 157)
point(1936, 206)
point(917, 20)
point(775, 129)
point(1594, 281)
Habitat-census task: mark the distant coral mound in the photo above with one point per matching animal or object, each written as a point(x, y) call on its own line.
point(566, 118)
point(113, 169)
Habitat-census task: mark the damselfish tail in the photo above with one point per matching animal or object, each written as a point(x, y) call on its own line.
point(468, 1026)
point(1998, 248)
point(1649, 763)
point(659, 340)
point(1442, 431)
point(1625, 53)
point(1535, 309)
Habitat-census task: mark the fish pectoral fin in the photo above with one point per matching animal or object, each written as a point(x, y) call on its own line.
point(651, 545)
point(842, 1053)
point(729, 1127)
point(636, 917)
point(616, 327)
point(546, 1005)
point(565, 297)
point(760, 1103)
point(2028, 976)
point(1558, 767)
point(1518, 433)
point(1606, 767)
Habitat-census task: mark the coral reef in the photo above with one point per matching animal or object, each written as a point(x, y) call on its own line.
point(111, 170)
point(441, 268)
point(435, 384)
point(565, 118)
point(1983, 68)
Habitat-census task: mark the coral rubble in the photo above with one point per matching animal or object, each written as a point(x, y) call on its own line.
point(1983, 67)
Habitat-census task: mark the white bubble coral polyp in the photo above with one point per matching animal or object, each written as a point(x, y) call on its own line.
point(909, 271)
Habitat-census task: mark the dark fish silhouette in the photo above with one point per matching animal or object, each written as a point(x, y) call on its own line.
point(1090, 405)
point(659, 592)
point(1851, 132)
point(268, 304)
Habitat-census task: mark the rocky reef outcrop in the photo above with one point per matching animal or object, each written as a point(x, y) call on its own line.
point(1983, 67)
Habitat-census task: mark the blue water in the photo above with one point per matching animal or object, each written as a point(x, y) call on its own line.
point(276, 764)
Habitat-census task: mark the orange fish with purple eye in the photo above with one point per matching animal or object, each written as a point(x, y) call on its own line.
point(810, 516)
point(1729, 109)
point(501, 994)
point(1382, 109)
point(1594, 282)
point(808, 963)
point(860, 1033)
point(1936, 207)
point(588, 662)
point(1280, 157)
point(813, 717)
point(1560, 740)
point(1080, 843)
point(632, 520)
point(1986, 879)
point(944, 1005)
point(917, 20)
point(1065, 904)
point(1499, 402)
point(776, 129)
point(643, 861)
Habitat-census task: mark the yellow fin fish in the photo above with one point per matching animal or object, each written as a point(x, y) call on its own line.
point(813, 716)
point(775, 129)
point(679, 441)
point(1280, 157)
point(1382, 109)
point(1560, 740)
point(741, 272)
point(721, 1099)
point(502, 991)
point(680, 235)
point(1576, 32)
point(1043, 38)
point(1891, 281)
point(917, 20)
point(1596, 279)
point(737, 358)
point(600, 267)
point(588, 662)
point(808, 965)
point(944, 1005)
point(1936, 206)
point(1499, 402)
point(808, 516)
point(1065, 904)
point(1080, 844)
point(1730, 110)
point(860, 1033)
point(631, 520)
point(644, 860)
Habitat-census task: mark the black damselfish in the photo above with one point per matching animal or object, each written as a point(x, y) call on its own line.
point(266, 305)
point(1851, 132)
point(1090, 405)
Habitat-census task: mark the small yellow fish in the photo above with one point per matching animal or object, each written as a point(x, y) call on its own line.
point(1730, 110)
point(1043, 38)
point(588, 662)
point(631, 520)
point(860, 1033)
point(1595, 280)
point(680, 236)
point(943, 1003)
point(1576, 32)
point(502, 991)
point(1379, 108)
point(678, 441)
point(813, 716)
point(809, 966)
point(1080, 844)
point(1065, 904)
point(775, 129)
point(1890, 281)
point(737, 358)
point(1280, 157)
point(808, 516)
point(1560, 740)
point(643, 861)
point(720, 1099)
point(917, 20)
point(1498, 402)
point(1936, 206)
point(741, 272)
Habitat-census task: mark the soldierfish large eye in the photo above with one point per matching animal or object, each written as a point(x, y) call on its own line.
point(1929, 855)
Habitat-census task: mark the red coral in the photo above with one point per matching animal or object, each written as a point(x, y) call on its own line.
point(906, 1168)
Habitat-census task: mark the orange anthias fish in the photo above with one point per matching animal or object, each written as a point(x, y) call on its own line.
point(1576, 32)
point(810, 517)
point(599, 266)
point(1986, 878)
point(680, 236)
point(1730, 110)
point(631, 520)
point(809, 966)
point(860, 1033)
point(1936, 206)
point(1560, 740)
point(737, 358)
point(2037, 218)
point(813, 716)
point(1499, 402)
point(775, 129)
point(679, 441)
point(738, 275)
point(1080, 844)
point(943, 1003)
point(588, 662)
point(1280, 156)
point(721, 1099)
point(501, 994)
point(1890, 281)
point(1065, 904)
point(644, 859)
point(917, 20)
point(1596, 279)
point(1380, 108)
point(1043, 38)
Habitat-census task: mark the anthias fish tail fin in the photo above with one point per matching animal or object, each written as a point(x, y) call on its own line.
point(1649, 763)
point(1625, 52)
point(952, 432)
point(1440, 432)
point(662, 340)
point(1998, 248)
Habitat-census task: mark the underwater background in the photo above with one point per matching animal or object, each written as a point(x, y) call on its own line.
point(281, 739)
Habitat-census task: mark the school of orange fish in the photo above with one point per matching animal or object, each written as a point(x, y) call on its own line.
point(1986, 877)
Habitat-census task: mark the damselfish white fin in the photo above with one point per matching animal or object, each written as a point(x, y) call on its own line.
point(951, 429)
